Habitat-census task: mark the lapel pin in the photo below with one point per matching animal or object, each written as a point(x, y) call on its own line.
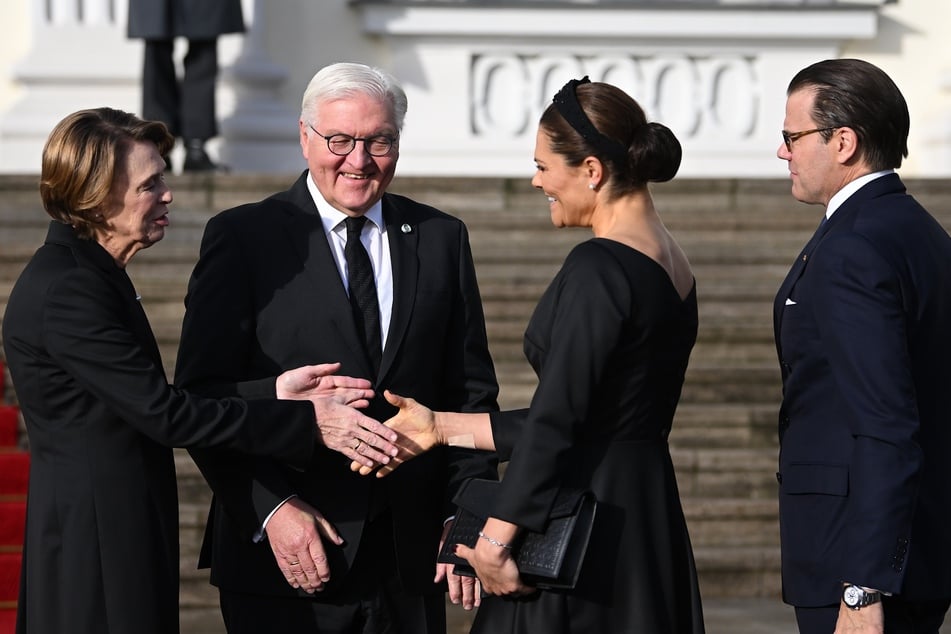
point(406, 228)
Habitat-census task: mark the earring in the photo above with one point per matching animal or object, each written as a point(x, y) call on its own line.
point(592, 186)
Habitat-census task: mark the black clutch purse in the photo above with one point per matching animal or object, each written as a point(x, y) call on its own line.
point(551, 559)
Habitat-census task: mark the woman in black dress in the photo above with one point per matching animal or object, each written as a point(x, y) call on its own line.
point(609, 341)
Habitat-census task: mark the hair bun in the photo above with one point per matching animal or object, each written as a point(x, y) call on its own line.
point(655, 153)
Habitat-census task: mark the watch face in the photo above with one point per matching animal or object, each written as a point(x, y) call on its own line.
point(852, 596)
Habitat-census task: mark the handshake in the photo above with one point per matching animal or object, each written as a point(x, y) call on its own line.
point(371, 445)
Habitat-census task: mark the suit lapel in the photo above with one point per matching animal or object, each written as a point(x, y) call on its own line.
point(325, 294)
point(403, 237)
point(888, 184)
point(795, 272)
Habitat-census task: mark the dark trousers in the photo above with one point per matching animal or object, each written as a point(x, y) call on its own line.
point(901, 617)
point(186, 107)
point(372, 600)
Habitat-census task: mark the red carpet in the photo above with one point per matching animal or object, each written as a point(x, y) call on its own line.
point(14, 472)
point(9, 577)
point(8, 424)
point(12, 512)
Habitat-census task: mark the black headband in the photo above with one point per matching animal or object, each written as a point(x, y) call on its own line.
point(566, 102)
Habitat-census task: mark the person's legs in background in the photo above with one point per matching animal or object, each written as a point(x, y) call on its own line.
point(198, 115)
point(160, 91)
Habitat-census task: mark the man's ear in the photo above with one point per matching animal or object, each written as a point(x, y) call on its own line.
point(846, 145)
point(304, 137)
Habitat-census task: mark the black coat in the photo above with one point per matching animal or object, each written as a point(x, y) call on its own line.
point(266, 294)
point(192, 19)
point(101, 548)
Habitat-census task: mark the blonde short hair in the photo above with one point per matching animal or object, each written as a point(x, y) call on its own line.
point(80, 159)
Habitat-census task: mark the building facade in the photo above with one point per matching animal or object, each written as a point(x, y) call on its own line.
point(479, 72)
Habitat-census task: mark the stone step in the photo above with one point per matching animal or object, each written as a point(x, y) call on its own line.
point(715, 473)
point(738, 571)
point(725, 426)
point(741, 237)
point(732, 522)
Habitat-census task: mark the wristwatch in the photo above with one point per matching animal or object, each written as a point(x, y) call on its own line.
point(856, 598)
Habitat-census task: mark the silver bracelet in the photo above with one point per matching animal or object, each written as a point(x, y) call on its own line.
point(495, 542)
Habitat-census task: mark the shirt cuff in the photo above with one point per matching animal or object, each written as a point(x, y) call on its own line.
point(259, 534)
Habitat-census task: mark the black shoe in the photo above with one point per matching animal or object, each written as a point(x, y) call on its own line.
point(197, 160)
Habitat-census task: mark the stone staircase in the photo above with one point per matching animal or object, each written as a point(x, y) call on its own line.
point(741, 236)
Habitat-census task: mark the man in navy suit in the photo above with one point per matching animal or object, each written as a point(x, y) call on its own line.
point(863, 331)
point(326, 550)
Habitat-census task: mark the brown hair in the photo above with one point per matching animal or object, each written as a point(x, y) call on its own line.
point(651, 151)
point(80, 159)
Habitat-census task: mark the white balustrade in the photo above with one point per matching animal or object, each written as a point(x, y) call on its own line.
point(715, 96)
point(81, 12)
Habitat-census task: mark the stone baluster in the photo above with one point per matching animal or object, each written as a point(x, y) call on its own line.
point(260, 133)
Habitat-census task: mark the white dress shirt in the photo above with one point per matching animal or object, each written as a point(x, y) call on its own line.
point(375, 242)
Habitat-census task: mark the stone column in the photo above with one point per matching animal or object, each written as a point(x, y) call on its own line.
point(260, 134)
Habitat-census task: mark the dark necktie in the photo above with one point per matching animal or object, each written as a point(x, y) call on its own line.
point(363, 300)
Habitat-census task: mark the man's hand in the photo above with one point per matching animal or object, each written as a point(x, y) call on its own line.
point(867, 620)
point(462, 589)
point(360, 438)
point(415, 425)
point(294, 532)
point(340, 427)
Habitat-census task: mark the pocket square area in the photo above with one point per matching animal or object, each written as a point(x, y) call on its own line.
point(790, 302)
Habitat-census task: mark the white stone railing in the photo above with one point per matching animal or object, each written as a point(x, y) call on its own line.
point(715, 74)
point(712, 95)
point(86, 12)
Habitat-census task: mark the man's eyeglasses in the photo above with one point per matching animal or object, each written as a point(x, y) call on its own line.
point(789, 137)
point(343, 144)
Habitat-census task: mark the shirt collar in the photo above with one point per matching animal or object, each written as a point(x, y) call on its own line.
point(332, 217)
point(843, 194)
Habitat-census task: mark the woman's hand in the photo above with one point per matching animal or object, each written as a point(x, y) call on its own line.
point(415, 426)
point(319, 381)
point(494, 564)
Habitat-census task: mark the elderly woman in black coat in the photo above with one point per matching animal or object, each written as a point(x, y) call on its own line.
point(101, 547)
